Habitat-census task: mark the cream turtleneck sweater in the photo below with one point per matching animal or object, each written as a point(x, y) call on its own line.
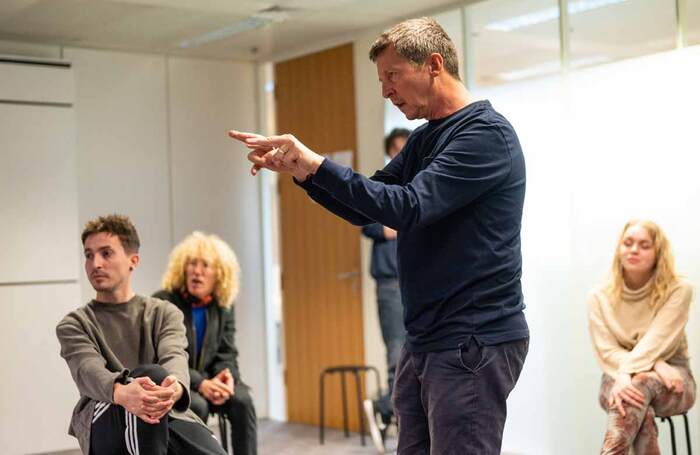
point(630, 337)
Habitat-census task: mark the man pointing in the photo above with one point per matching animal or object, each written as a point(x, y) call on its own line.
point(455, 196)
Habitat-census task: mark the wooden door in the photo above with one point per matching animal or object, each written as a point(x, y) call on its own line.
point(321, 289)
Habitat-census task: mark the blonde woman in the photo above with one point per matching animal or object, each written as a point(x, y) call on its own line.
point(637, 326)
point(202, 280)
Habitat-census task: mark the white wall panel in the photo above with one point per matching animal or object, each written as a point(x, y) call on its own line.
point(36, 83)
point(38, 193)
point(12, 48)
point(37, 394)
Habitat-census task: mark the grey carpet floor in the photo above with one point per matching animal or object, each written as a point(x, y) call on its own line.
point(280, 438)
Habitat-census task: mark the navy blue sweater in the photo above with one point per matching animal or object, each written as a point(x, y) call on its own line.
point(455, 195)
point(383, 263)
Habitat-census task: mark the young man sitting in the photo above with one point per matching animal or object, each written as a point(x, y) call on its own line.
point(127, 356)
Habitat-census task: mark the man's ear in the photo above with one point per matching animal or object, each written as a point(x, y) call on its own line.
point(134, 261)
point(436, 64)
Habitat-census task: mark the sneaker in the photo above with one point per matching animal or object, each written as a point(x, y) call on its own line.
point(373, 423)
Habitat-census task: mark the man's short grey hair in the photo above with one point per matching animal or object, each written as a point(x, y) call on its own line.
point(415, 40)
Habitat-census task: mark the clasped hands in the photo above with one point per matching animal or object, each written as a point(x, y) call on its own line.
point(283, 153)
point(219, 388)
point(147, 400)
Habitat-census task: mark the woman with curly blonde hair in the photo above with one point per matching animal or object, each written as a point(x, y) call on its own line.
point(202, 280)
point(637, 325)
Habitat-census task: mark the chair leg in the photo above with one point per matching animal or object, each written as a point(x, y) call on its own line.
point(673, 434)
point(345, 405)
point(321, 398)
point(360, 414)
point(687, 434)
point(224, 431)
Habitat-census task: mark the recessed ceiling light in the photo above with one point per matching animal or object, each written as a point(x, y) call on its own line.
point(238, 27)
point(265, 16)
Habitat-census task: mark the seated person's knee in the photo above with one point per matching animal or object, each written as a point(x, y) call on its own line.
point(156, 372)
point(646, 379)
point(241, 402)
point(199, 405)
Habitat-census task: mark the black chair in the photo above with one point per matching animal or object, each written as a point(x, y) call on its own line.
point(673, 433)
point(223, 430)
point(342, 370)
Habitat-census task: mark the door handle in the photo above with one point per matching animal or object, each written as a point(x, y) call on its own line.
point(347, 275)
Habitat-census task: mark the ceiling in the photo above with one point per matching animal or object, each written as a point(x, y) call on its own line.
point(204, 28)
point(201, 28)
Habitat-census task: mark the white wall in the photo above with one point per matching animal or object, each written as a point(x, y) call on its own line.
point(602, 145)
point(38, 253)
point(37, 394)
point(151, 143)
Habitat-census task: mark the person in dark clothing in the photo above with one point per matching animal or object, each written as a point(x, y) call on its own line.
point(455, 196)
point(126, 354)
point(384, 270)
point(202, 280)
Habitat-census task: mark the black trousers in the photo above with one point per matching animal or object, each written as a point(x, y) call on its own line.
point(240, 411)
point(115, 431)
point(454, 402)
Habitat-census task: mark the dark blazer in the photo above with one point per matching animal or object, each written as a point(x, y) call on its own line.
point(218, 348)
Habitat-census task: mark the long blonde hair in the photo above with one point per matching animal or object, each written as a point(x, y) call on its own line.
point(211, 248)
point(664, 274)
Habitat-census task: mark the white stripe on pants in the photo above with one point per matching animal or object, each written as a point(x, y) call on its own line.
point(100, 409)
point(130, 433)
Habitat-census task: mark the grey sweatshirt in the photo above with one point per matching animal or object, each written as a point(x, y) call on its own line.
point(102, 342)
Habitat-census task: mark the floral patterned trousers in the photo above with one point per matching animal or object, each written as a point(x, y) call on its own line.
point(637, 428)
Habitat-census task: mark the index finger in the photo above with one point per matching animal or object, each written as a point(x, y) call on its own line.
point(635, 391)
point(149, 400)
point(144, 381)
point(269, 141)
point(242, 135)
point(220, 387)
point(620, 407)
point(679, 386)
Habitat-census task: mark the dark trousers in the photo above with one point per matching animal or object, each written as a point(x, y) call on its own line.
point(390, 312)
point(454, 402)
point(115, 431)
point(240, 411)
